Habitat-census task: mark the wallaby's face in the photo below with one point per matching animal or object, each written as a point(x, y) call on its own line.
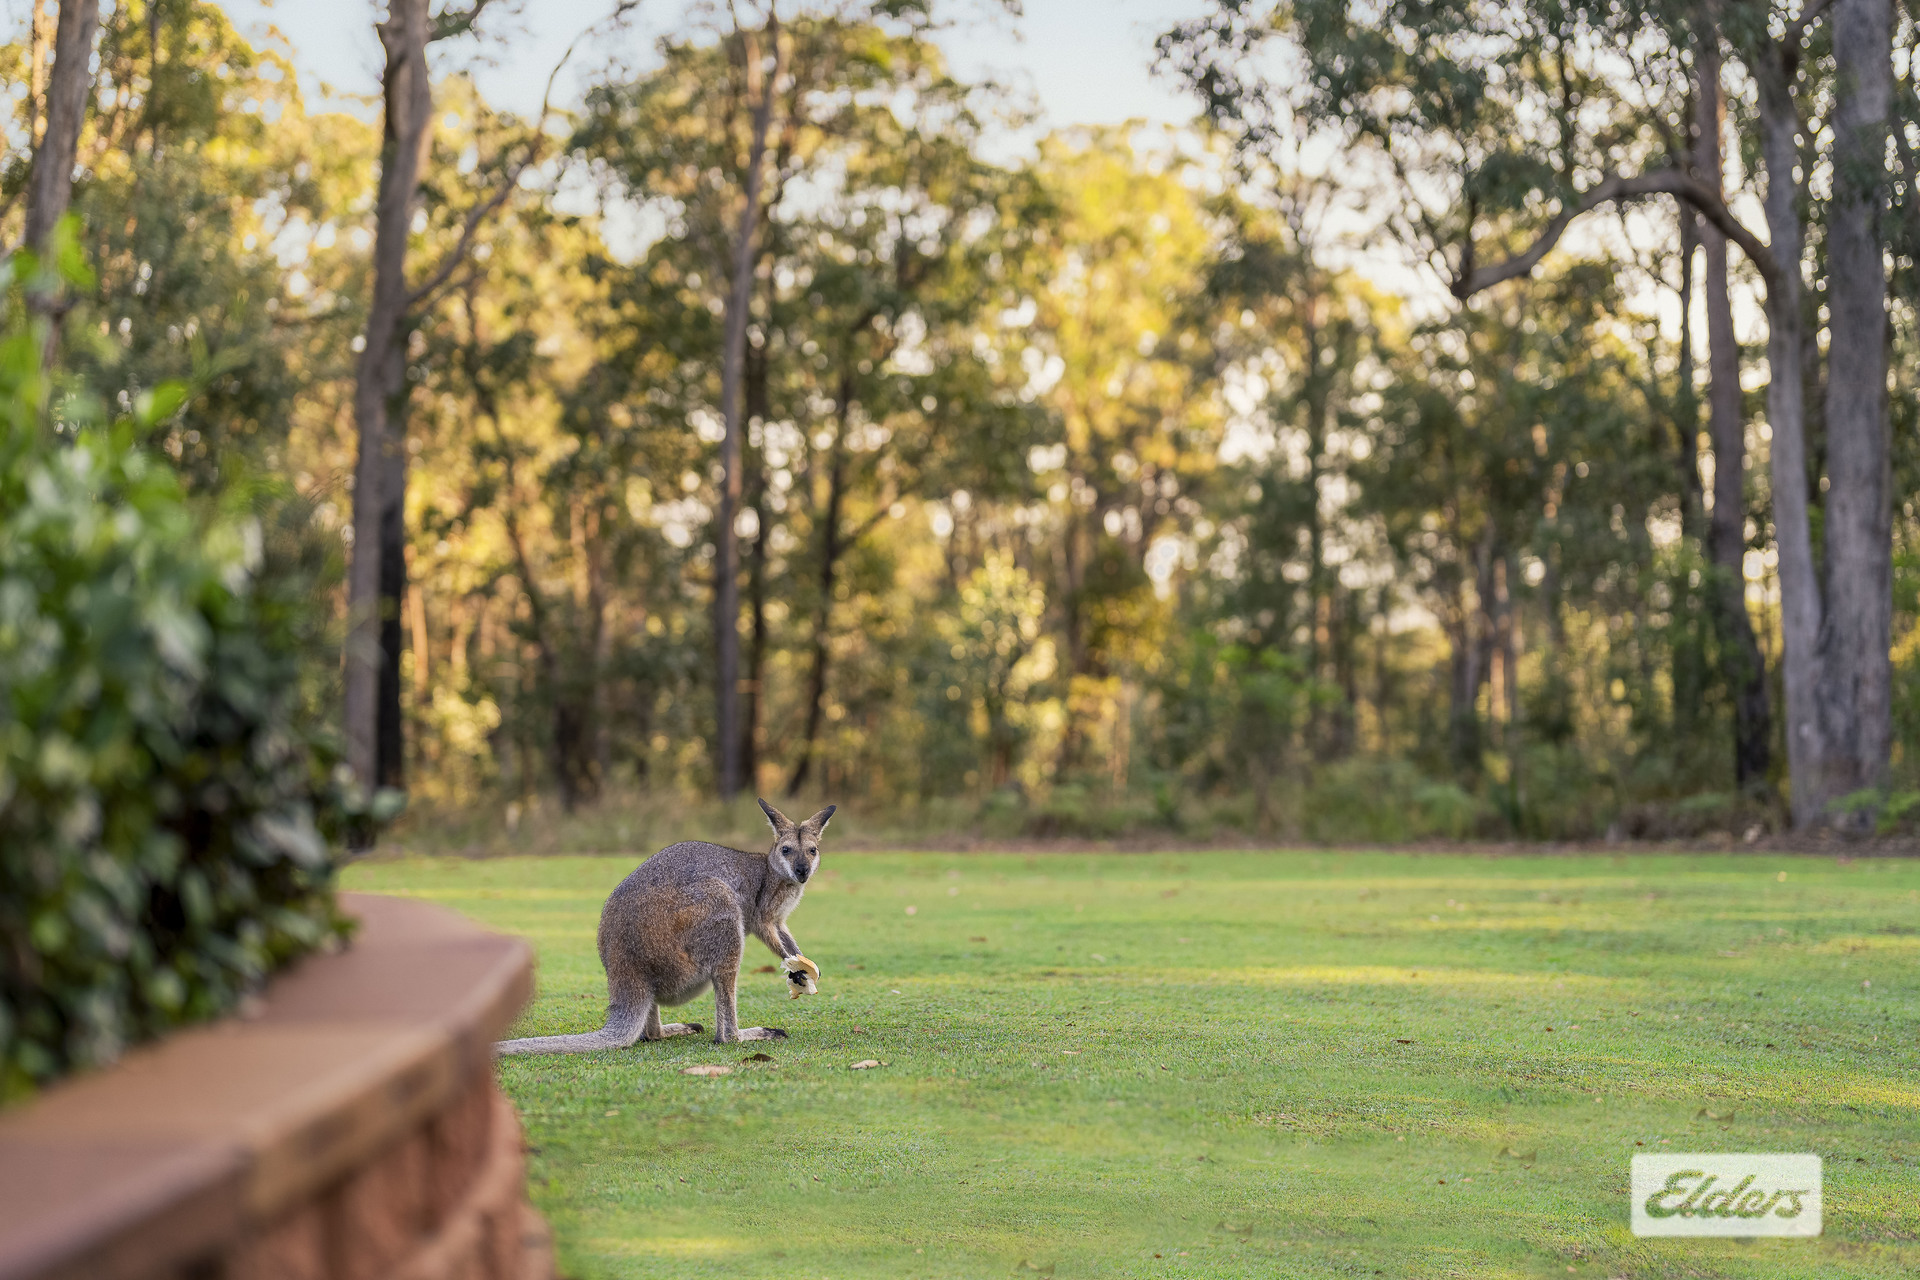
point(795, 854)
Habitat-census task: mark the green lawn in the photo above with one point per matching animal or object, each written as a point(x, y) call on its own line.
point(1235, 1064)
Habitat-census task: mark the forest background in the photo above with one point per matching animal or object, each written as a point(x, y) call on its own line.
point(764, 419)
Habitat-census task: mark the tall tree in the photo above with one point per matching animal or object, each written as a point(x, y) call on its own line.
point(894, 279)
point(762, 53)
point(381, 380)
point(1113, 358)
point(1742, 666)
point(858, 108)
point(376, 579)
point(50, 187)
point(1856, 632)
point(1777, 64)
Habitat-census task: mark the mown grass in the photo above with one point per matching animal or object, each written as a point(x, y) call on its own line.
point(1239, 1064)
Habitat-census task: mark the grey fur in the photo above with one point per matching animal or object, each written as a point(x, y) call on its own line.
point(678, 924)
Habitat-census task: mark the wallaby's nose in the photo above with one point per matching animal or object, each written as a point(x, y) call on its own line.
point(801, 871)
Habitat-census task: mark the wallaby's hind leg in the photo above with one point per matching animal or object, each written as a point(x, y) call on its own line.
point(726, 1011)
point(658, 1030)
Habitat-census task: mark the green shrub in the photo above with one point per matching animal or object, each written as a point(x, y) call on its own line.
point(159, 769)
point(1385, 802)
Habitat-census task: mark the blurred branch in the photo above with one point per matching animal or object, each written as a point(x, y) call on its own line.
point(456, 22)
point(1471, 279)
point(442, 274)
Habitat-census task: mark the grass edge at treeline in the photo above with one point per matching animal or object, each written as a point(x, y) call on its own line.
point(628, 820)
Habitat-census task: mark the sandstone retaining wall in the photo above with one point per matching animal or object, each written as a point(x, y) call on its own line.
point(349, 1129)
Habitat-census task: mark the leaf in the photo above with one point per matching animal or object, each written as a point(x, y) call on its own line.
point(866, 1064)
point(388, 804)
point(1704, 1114)
point(707, 1069)
point(1403, 1042)
point(758, 1057)
point(153, 407)
point(766, 968)
point(1510, 1154)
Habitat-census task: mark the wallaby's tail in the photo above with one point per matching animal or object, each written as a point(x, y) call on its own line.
point(624, 1023)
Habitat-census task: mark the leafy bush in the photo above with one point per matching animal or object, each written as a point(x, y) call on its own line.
point(159, 769)
point(1375, 801)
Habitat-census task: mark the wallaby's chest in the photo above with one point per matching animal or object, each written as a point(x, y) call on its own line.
point(779, 903)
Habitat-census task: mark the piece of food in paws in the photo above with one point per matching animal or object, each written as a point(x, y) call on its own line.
point(801, 973)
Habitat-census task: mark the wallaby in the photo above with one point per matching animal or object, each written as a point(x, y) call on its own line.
point(678, 924)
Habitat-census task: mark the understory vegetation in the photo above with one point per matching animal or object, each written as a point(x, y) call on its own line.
point(166, 796)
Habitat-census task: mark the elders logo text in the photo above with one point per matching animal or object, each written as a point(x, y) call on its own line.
point(1726, 1194)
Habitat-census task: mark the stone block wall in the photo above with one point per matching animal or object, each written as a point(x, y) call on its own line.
point(349, 1130)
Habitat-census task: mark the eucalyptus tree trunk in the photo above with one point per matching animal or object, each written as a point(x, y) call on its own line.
point(381, 373)
point(1741, 664)
point(1800, 605)
point(761, 88)
point(1856, 689)
point(50, 186)
point(40, 38)
point(390, 747)
point(1687, 414)
point(758, 406)
point(831, 549)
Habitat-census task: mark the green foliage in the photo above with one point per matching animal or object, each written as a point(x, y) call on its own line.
point(1900, 811)
point(206, 210)
point(160, 851)
point(1367, 801)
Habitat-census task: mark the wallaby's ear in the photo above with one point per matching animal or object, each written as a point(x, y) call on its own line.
point(818, 822)
point(781, 822)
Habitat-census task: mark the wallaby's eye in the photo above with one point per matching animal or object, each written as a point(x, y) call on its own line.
point(786, 850)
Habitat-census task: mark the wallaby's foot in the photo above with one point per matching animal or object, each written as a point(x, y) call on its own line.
point(759, 1033)
point(679, 1029)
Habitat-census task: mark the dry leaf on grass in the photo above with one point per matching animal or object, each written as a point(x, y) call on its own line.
point(1510, 1154)
point(1704, 1114)
point(707, 1069)
point(766, 968)
point(1403, 1042)
point(758, 1057)
point(866, 1064)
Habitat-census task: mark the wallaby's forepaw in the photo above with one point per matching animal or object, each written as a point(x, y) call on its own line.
point(801, 975)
